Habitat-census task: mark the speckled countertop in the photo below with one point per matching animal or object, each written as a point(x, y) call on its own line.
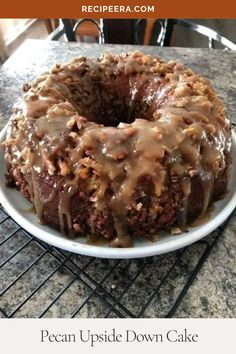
point(72, 288)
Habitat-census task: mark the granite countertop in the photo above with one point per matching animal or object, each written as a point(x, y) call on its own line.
point(212, 293)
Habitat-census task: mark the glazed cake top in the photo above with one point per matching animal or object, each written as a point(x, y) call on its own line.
point(113, 120)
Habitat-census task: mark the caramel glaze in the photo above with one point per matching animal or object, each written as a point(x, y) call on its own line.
point(144, 117)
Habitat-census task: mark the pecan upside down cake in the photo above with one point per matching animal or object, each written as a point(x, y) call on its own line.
point(119, 147)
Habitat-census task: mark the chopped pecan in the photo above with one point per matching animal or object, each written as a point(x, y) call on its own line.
point(175, 230)
point(211, 129)
point(64, 168)
point(77, 227)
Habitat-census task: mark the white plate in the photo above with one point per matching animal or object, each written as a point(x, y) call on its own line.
point(18, 208)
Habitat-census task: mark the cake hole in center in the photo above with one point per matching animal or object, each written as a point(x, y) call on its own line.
point(114, 105)
point(115, 115)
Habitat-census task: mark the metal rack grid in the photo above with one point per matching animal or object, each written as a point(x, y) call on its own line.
point(39, 280)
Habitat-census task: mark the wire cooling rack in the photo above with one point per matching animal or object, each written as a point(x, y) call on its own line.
point(39, 280)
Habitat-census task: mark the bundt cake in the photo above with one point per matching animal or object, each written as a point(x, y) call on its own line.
point(119, 147)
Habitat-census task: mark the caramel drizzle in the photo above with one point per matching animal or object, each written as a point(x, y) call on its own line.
point(186, 135)
point(66, 223)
